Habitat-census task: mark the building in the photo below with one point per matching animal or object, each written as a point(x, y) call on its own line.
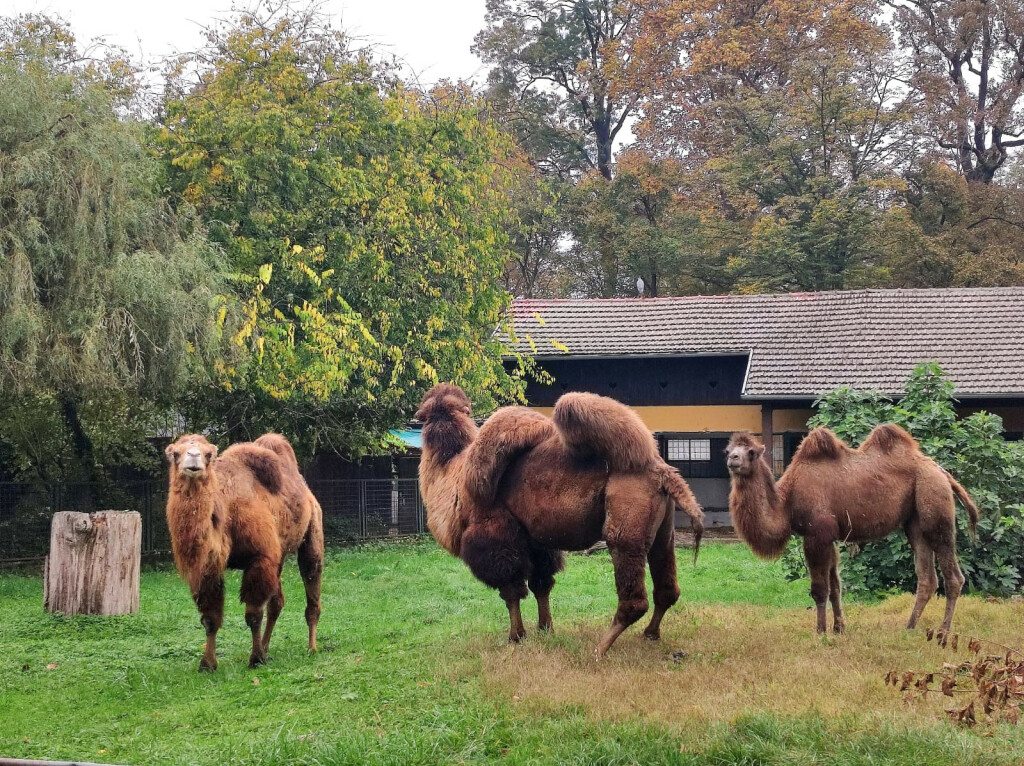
point(698, 368)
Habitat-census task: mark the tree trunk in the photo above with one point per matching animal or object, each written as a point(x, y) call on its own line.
point(93, 566)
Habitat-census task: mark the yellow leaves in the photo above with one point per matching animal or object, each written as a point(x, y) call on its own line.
point(266, 270)
point(559, 345)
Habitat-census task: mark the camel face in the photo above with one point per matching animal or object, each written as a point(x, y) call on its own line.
point(741, 458)
point(191, 455)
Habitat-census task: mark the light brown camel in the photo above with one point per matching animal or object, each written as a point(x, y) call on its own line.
point(247, 509)
point(510, 498)
point(832, 493)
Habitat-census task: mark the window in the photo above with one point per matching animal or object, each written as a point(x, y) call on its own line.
point(778, 454)
point(689, 449)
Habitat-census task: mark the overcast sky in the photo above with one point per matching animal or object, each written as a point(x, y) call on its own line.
point(433, 38)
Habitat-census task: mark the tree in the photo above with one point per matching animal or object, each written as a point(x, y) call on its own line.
point(366, 223)
point(106, 294)
point(968, 59)
point(553, 64)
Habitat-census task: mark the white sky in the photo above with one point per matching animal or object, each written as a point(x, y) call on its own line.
point(432, 38)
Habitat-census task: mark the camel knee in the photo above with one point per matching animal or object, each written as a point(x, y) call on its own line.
point(513, 592)
point(631, 610)
point(211, 623)
point(819, 592)
point(666, 597)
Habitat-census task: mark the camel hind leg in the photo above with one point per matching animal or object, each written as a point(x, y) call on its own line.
point(311, 567)
point(544, 564)
point(835, 593)
point(924, 564)
point(661, 558)
point(936, 517)
point(633, 514)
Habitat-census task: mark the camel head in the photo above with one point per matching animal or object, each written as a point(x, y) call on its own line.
point(443, 402)
point(190, 456)
point(742, 454)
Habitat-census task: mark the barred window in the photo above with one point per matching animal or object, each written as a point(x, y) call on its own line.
point(689, 449)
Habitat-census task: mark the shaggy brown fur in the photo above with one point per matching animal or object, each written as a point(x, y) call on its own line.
point(832, 493)
point(247, 509)
point(510, 498)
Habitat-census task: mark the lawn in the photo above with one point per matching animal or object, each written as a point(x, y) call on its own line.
point(414, 669)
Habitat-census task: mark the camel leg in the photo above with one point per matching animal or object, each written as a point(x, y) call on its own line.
point(544, 564)
point(661, 558)
point(514, 593)
point(819, 565)
point(628, 562)
point(952, 578)
point(311, 567)
point(209, 600)
point(835, 593)
point(924, 564)
point(259, 584)
point(274, 607)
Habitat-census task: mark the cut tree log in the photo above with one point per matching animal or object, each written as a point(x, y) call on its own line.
point(93, 566)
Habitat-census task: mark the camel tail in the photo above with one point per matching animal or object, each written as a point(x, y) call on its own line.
point(968, 503)
point(597, 426)
point(508, 433)
point(680, 492)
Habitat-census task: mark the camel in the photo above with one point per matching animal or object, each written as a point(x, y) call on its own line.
point(831, 493)
point(247, 509)
point(509, 498)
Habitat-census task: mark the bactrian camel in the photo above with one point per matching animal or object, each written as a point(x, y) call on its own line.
point(247, 509)
point(509, 498)
point(831, 493)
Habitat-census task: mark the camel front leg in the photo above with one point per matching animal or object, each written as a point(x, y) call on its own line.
point(952, 578)
point(260, 583)
point(819, 565)
point(513, 594)
point(543, 566)
point(311, 567)
point(209, 599)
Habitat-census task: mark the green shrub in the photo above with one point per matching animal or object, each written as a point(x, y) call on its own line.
point(972, 449)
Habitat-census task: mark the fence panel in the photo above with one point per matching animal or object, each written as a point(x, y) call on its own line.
point(354, 509)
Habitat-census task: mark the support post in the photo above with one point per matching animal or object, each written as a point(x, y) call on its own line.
point(767, 434)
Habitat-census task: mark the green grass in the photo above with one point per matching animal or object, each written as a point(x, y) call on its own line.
point(414, 668)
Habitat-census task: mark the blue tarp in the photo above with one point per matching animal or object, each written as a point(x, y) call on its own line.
point(412, 437)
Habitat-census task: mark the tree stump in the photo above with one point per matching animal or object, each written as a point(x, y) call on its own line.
point(93, 566)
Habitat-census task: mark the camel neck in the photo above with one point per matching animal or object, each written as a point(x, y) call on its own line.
point(759, 512)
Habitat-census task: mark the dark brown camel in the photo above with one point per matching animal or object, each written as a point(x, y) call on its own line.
point(832, 493)
point(247, 509)
point(510, 498)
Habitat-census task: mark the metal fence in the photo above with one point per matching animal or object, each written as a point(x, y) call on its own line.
point(354, 510)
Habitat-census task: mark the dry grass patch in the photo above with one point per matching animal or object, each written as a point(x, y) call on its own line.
point(719, 663)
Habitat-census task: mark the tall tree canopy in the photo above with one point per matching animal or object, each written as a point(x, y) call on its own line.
point(366, 223)
point(553, 63)
point(105, 291)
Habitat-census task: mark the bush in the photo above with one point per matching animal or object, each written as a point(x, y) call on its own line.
point(972, 449)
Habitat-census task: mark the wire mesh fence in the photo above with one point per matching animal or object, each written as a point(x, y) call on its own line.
point(354, 510)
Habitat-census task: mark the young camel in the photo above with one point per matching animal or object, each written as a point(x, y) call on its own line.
point(510, 498)
point(832, 493)
point(247, 509)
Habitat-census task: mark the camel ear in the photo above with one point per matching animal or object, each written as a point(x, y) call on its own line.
point(757, 451)
point(214, 447)
point(170, 452)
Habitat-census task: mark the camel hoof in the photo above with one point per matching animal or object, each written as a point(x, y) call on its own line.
point(516, 638)
point(255, 662)
point(205, 667)
point(839, 628)
point(654, 635)
point(598, 655)
point(546, 628)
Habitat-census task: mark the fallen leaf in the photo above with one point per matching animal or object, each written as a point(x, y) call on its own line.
point(52, 666)
point(255, 682)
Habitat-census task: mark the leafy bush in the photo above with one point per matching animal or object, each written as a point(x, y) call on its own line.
point(972, 449)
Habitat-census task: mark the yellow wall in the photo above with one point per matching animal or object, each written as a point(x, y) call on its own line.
point(720, 418)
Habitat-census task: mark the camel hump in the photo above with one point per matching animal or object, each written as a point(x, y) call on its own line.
point(279, 445)
point(506, 435)
point(264, 464)
point(820, 444)
point(592, 425)
point(888, 438)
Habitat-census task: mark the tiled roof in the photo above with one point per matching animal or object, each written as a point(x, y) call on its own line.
point(802, 344)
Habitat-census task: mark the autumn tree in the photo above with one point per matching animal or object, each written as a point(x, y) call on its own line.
point(553, 63)
point(968, 59)
point(106, 293)
point(366, 222)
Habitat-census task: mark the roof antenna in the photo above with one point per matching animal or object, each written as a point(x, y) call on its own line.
point(640, 286)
